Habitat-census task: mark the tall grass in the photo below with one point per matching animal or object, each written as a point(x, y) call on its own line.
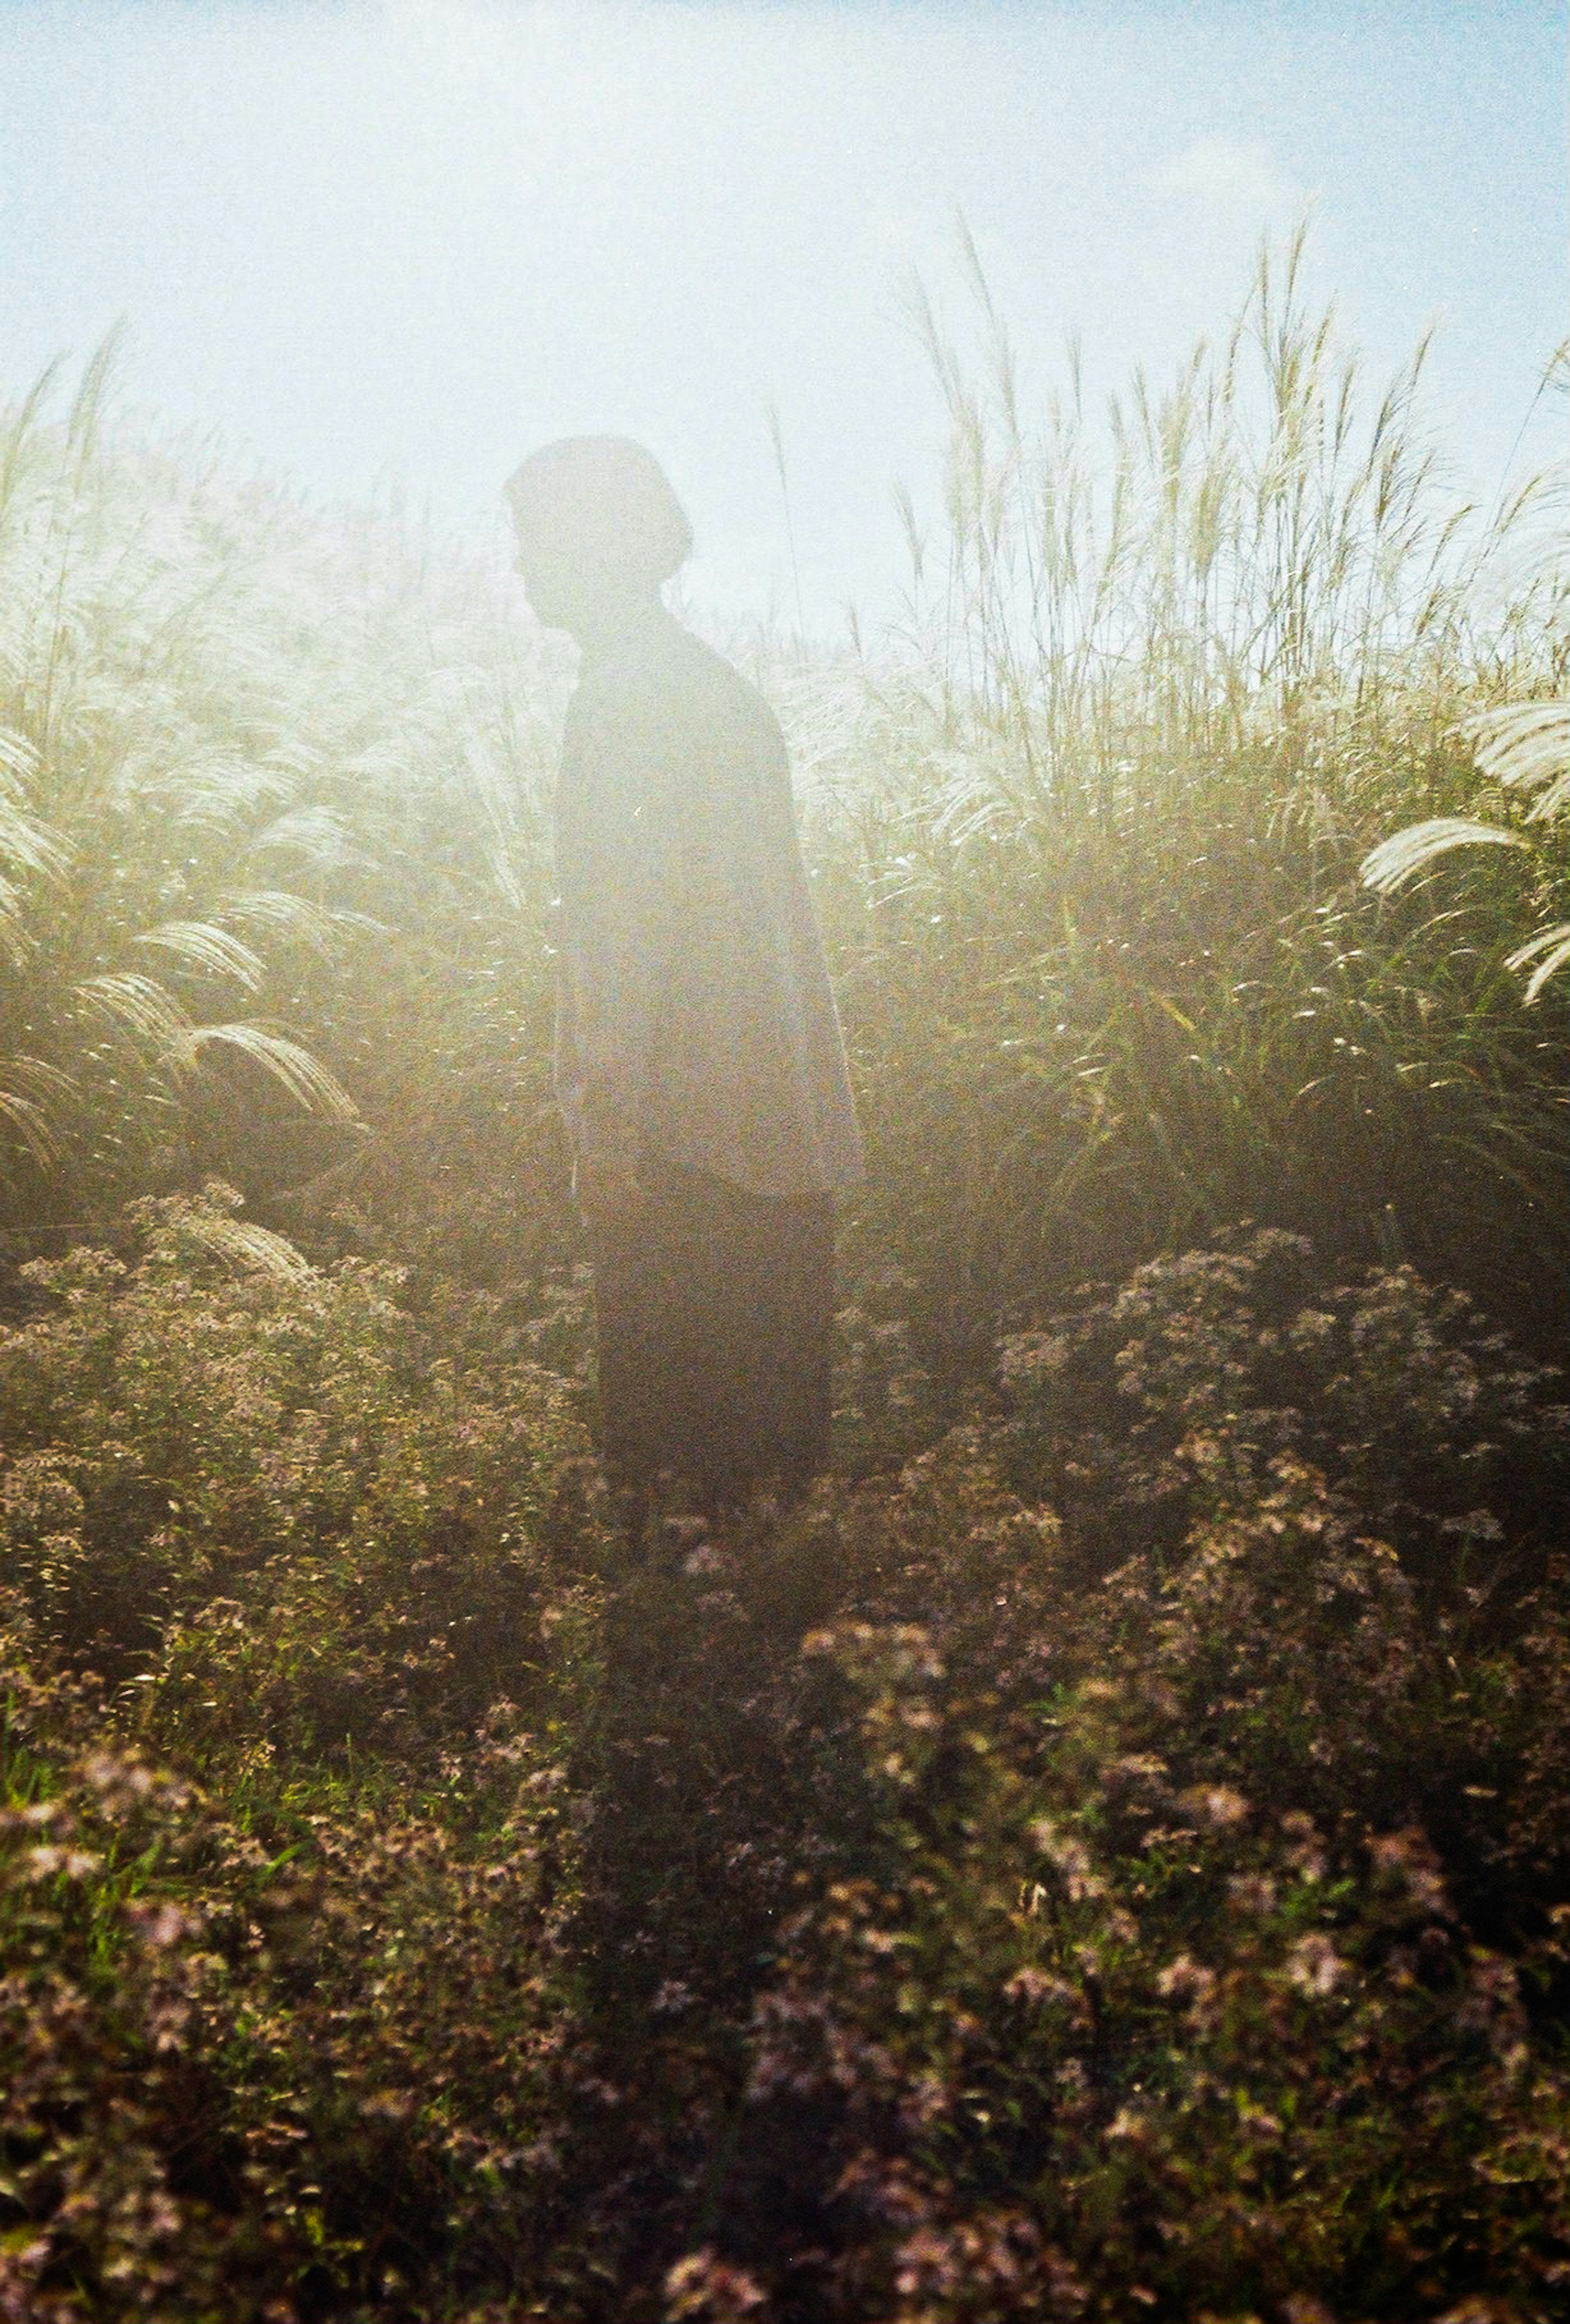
point(1085, 832)
point(1524, 748)
point(1093, 840)
point(1264, 546)
point(1112, 1863)
point(248, 756)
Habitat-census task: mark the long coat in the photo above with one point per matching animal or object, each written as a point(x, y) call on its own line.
point(696, 1024)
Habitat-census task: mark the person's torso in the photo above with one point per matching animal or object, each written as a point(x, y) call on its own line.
point(675, 775)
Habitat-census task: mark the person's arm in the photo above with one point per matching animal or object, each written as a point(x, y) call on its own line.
point(626, 873)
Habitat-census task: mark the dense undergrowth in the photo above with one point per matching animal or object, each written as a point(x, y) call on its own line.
point(945, 1901)
point(1104, 1854)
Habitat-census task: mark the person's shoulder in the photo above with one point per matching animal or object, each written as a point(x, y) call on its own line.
point(669, 696)
point(726, 698)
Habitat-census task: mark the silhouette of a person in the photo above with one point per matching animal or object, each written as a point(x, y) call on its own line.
point(700, 1066)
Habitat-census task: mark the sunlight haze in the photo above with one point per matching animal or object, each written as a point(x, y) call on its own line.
point(394, 246)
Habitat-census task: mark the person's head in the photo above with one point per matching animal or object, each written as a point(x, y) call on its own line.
point(600, 529)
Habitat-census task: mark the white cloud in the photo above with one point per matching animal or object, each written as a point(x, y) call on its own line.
point(1234, 172)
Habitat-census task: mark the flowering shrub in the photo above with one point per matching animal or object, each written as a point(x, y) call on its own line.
point(265, 2033)
point(1144, 1988)
point(260, 1494)
point(1177, 1393)
point(265, 2052)
point(927, 1903)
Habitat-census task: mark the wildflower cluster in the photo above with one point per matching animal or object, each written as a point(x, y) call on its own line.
point(922, 1903)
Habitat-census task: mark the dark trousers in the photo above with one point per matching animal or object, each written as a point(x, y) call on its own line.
point(714, 1309)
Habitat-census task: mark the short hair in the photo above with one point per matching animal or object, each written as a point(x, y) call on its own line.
point(608, 500)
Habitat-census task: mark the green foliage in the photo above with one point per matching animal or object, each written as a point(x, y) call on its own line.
point(263, 2048)
point(1087, 851)
point(1106, 1857)
point(251, 761)
point(1117, 2024)
point(259, 1496)
point(1524, 747)
point(1180, 1390)
point(917, 1905)
point(1085, 1039)
point(1090, 847)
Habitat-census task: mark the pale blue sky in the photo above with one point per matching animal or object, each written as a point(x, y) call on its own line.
point(411, 238)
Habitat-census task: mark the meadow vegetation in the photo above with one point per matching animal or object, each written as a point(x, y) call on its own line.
point(1104, 1853)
